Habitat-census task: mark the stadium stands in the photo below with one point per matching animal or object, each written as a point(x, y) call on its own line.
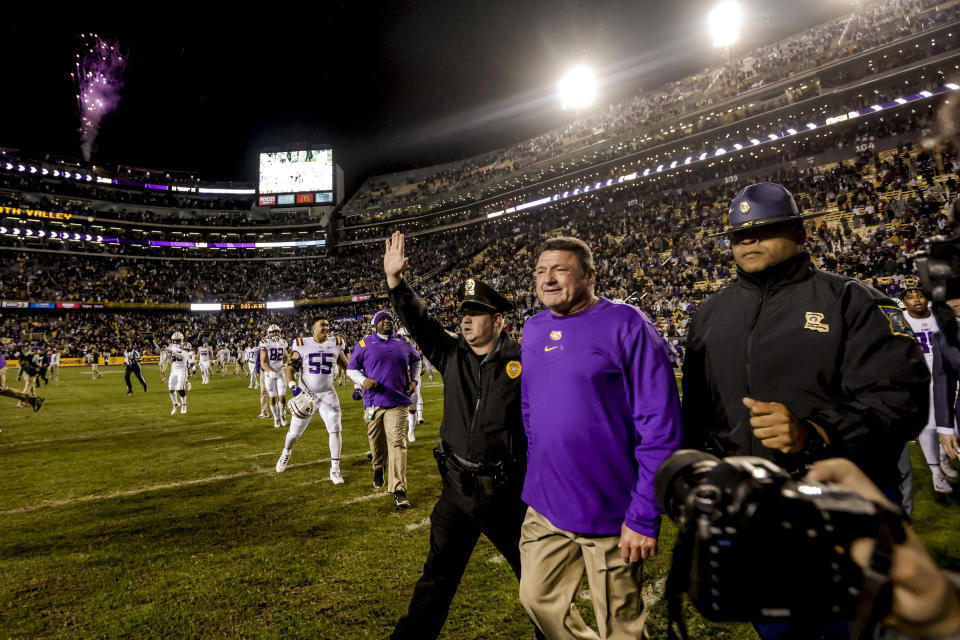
point(878, 191)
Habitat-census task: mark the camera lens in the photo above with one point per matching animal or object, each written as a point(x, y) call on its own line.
point(678, 474)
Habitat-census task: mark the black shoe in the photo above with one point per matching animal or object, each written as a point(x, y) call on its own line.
point(36, 402)
point(400, 500)
point(378, 479)
point(370, 456)
point(130, 393)
point(144, 388)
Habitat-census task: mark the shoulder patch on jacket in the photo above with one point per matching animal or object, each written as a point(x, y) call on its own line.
point(898, 324)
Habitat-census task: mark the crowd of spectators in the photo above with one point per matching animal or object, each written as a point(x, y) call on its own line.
point(656, 250)
point(877, 24)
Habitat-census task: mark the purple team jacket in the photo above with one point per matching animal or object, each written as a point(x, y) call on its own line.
point(388, 362)
point(601, 412)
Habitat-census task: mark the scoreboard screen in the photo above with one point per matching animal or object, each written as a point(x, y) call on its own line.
point(305, 176)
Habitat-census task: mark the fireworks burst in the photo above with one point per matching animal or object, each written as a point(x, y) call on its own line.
point(98, 77)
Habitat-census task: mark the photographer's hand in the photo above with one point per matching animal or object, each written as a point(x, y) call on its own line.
point(635, 546)
point(775, 426)
point(924, 604)
point(949, 443)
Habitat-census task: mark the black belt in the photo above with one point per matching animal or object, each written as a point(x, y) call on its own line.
point(495, 469)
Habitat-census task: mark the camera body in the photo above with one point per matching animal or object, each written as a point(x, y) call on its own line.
point(756, 545)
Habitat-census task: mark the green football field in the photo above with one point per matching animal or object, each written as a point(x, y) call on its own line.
point(119, 520)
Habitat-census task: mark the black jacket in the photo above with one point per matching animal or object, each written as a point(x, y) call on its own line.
point(481, 394)
point(837, 353)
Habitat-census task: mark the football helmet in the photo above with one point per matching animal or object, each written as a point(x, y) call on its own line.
point(273, 331)
point(301, 406)
point(176, 337)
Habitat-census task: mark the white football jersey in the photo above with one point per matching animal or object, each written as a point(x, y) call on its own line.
point(924, 328)
point(250, 354)
point(275, 350)
point(178, 357)
point(204, 353)
point(319, 362)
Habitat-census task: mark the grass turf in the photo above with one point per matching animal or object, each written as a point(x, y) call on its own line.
point(118, 519)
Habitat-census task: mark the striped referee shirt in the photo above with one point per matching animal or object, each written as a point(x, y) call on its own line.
point(131, 357)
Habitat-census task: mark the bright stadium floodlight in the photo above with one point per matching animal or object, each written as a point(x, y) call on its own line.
point(724, 23)
point(578, 88)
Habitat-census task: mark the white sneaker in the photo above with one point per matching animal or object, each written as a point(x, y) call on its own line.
point(183, 408)
point(335, 476)
point(411, 437)
point(189, 386)
point(174, 410)
point(276, 424)
point(947, 467)
point(284, 459)
point(283, 423)
point(940, 484)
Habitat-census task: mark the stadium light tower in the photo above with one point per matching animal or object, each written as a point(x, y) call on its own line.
point(724, 24)
point(578, 88)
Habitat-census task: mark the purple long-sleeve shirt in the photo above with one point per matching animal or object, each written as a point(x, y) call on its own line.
point(389, 363)
point(601, 411)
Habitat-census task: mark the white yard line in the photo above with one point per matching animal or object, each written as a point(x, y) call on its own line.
point(108, 434)
point(369, 496)
point(652, 592)
point(418, 525)
point(163, 487)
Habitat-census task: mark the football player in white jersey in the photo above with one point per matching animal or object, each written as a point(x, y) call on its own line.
point(191, 363)
point(273, 355)
point(250, 357)
point(924, 326)
point(177, 381)
point(204, 353)
point(415, 414)
point(317, 359)
point(223, 358)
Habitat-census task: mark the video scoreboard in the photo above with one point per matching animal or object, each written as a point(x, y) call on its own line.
point(303, 176)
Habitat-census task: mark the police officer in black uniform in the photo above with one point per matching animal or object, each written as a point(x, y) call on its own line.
point(795, 365)
point(482, 455)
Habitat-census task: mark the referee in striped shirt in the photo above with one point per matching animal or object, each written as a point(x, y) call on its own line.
point(131, 358)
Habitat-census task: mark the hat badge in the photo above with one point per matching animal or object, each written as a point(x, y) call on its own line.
point(744, 207)
point(470, 287)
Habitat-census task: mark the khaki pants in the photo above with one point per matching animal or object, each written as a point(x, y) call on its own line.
point(387, 433)
point(553, 562)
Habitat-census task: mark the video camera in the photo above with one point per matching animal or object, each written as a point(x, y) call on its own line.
point(938, 263)
point(755, 545)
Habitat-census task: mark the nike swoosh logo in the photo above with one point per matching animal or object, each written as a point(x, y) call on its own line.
point(550, 348)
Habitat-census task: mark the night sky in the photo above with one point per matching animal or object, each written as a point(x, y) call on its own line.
point(393, 85)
